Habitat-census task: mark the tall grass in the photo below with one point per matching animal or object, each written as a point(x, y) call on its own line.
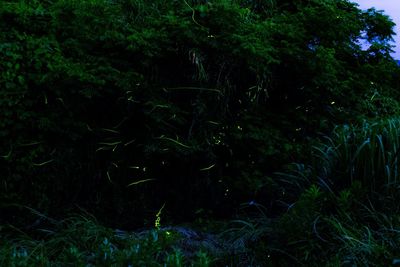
point(342, 208)
point(368, 153)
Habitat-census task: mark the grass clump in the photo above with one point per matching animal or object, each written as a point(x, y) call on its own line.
point(81, 241)
point(368, 153)
point(341, 210)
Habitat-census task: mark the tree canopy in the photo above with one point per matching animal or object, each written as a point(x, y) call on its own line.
point(120, 106)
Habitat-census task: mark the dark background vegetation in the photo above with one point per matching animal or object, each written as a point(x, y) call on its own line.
point(118, 107)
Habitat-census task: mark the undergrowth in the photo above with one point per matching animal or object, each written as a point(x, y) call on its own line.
point(81, 241)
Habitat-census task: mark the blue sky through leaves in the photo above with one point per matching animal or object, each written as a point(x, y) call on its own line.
point(391, 8)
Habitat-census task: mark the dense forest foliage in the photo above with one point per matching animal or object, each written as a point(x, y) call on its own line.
point(282, 116)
